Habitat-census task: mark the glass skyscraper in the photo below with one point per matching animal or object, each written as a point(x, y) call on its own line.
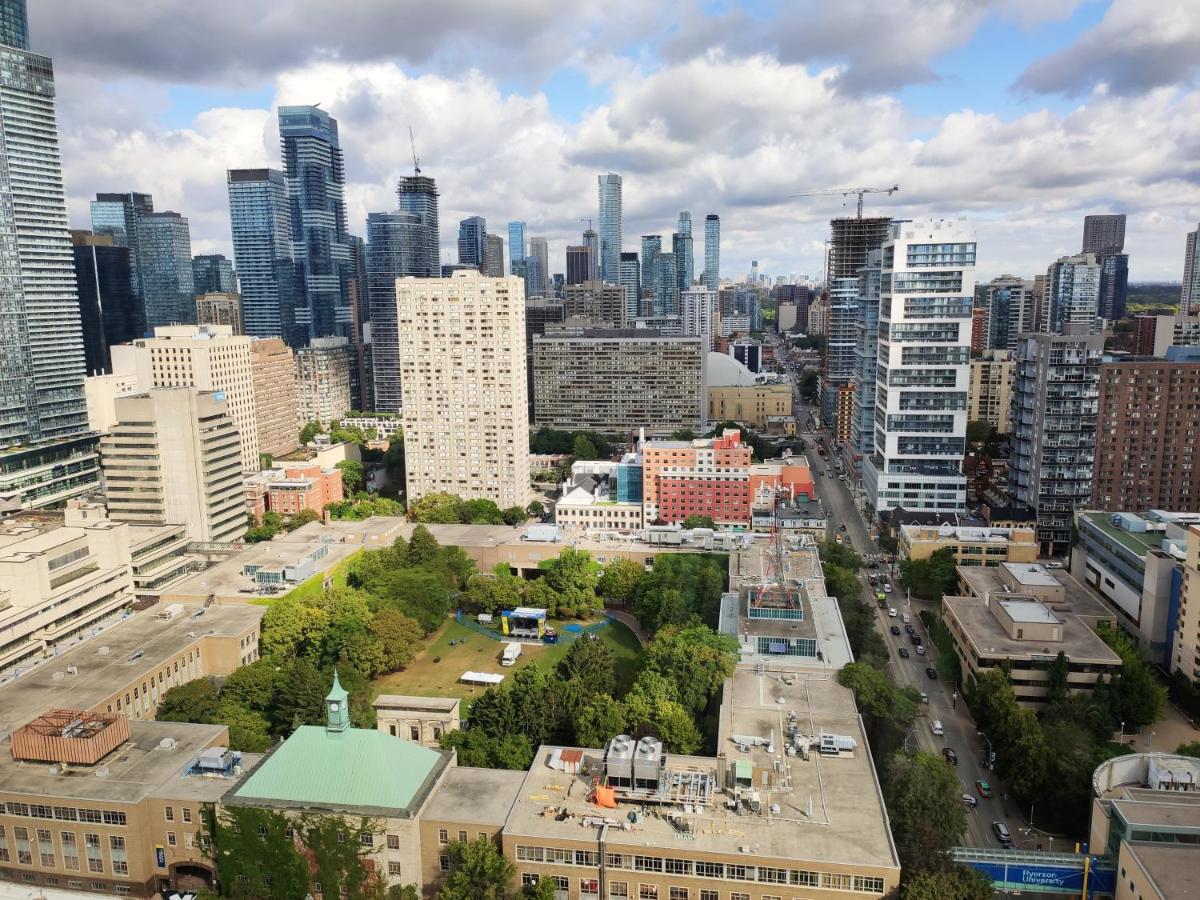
point(14, 24)
point(651, 247)
point(260, 218)
point(516, 242)
point(609, 191)
point(539, 268)
point(108, 310)
point(591, 240)
point(712, 252)
point(212, 273)
point(418, 195)
point(394, 241)
point(117, 215)
point(165, 260)
point(315, 176)
point(684, 258)
point(472, 242)
point(631, 280)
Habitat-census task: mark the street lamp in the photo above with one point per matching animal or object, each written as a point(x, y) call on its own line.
point(991, 755)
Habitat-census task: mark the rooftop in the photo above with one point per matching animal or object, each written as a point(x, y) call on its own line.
point(359, 770)
point(969, 533)
point(404, 701)
point(1030, 574)
point(1171, 867)
point(1079, 641)
point(1029, 611)
point(99, 673)
point(474, 796)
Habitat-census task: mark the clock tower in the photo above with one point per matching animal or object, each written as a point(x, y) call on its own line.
point(337, 707)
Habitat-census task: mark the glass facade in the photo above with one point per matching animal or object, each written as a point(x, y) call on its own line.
point(108, 310)
point(212, 273)
point(472, 242)
point(418, 196)
point(261, 221)
point(393, 251)
point(165, 261)
point(14, 24)
point(609, 193)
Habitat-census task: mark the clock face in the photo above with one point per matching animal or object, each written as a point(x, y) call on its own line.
point(333, 707)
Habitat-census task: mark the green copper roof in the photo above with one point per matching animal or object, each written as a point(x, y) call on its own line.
point(337, 692)
point(357, 768)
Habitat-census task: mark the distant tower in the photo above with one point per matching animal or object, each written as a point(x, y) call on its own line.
point(417, 194)
point(516, 241)
point(494, 257)
point(651, 247)
point(684, 259)
point(337, 707)
point(591, 240)
point(472, 242)
point(1190, 300)
point(609, 190)
point(712, 252)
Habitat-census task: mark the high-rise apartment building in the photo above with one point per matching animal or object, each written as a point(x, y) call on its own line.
point(260, 220)
point(679, 476)
point(165, 267)
point(1114, 285)
point(596, 304)
point(393, 251)
point(1153, 334)
point(315, 174)
point(866, 353)
point(850, 240)
point(208, 357)
point(1146, 437)
point(14, 24)
point(472, 242)
point(609, 191)
point(841, 339)
point(276, 410)
point(927, 294)
point(494, 257)
point(173, 458)
point(712, 252)
point(578, 264)
point(1072, 293)
point(516, 242)
point(698, 310)
point(108, 310)
point(1103, 234)
point(631, 281)
point(1055, 409)
point(666, 285)
point(462, 353)
point(651, 246)
point(220, 309)
point(323, 380)
point(1189, 301)
point(539, 267)
point(212, 273)
point(591, 240)
point(540, 314)
point(619, 380)
point(992, 376)
point(1010, 302)
point(117, 215)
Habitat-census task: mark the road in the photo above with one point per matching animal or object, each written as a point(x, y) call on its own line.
point(958, 730)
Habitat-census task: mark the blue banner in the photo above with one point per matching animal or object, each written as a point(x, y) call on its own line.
point(1042, 878)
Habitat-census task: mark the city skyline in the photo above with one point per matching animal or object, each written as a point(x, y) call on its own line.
point(1024, 146)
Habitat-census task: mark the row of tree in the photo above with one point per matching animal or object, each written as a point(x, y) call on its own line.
point(931, 578)
point(574, 705)
point(579, 444)
point(447, 509)
point(840, 566)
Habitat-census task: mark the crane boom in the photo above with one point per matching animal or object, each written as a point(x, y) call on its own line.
point(413, 143)
point(846, 192)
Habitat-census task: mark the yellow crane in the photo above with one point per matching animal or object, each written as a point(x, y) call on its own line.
point(846, 192)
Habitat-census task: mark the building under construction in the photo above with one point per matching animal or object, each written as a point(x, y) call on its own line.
point(850, 239)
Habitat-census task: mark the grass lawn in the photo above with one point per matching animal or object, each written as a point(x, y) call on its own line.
point(474, 651)
point(312, 588)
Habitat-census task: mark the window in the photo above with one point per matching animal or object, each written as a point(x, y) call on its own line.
point(530, 854)
point(393, 842)
point(648, 863)
point(95, 856)
point(677, 893)
point(709, 895)
point(836, 880)
point(341, 837)
point(738, 895)
point(443, 836)
point(444, 863)
point(262, 831)
point(589, 888)
point(24, 848)
point(45, 847)
point(123, 889)
point(393, 868)
point(187, 814)
point(120, 861)
point(170, 839)
point(462, 837)
point(528, 879)
point(414, 733)
point(618, 890)
point(647, 892)
point(4, 857)
point(367, 839)
point(70, 850)
point(868, 883)
point(710, 870)
point(169, 813)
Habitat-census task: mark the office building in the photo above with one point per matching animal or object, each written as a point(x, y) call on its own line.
point(117, 215)
point(591, 240)
point(979, 329)
point(1114, 285)
point(619, 380)
point(972, 546)
point(260, 220)
point(165, 267)
point(1135, 563)
point(1189, 301)
point(323, 380)
point(516, 242)
point(1020, 616)
point(212, 273)
point(102, 392)
point(578, 264)
point(850, 240)
point(927, 294)
point(462, 353)
point(315, 174)
point(174, 458)
point(866, 352)
point(109, 313)
point(538, 281)
point(292, 489)
point(394, 250)
point(631, 282)
point(991, 389)
point(1154, 334)
point(666, 285)
point(698, 310)
point(472, 242)
point(276, 409)
point(651, 246)
point(609, 192)
point(748, 352)
point(1185, 642)
point(818, 313)
point(595, 303)
point(1055, 409)
point(494, 256)
point(1072, 294)
point(757, 406)
point(210, 358)
point(1010, 302)
point(1104, 234)
point(712, 252)
point(220, 309)
point(540, 313)
point(44, 449)
point(707, 477)
point(1146, 437)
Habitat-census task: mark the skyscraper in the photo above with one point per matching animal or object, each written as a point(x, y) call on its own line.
point(1104, 234)
point(924, 352)
point(1190, 298)
point(591, 240)
point(117, 215)
point(472, 242)
point(577, 264)
point(850, 240)
point(651, 247)
point(393, 251)
point(212, 273)
point(1073, 293)
point(609, 189)
point(712, 252)
point(494, 258)
point(109, 312)
point(260, 220)
point(14, 24)
point(539, 268)
point(165, 261)
point(516, 242)
point(631, 280)
point(418, 194)
point(315, 174)
point(1010, 304)
point(1114, 285)
point(681, 246)
point(666, 285)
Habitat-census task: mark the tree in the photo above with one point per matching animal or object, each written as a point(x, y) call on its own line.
point(926, 813)
point(478, 871)
point(292, 628)
point(196, 702)
point(840, 555)
point(514, 515)
point(1191, 748)
point(1057, 676)
point(399, 636)
point(977, 431)
point(810, 384)
point(651, 712)
point(310, 431)
point(495, 592)
point(535, 509)
point(248, 731)
point(479, 750)
point(956, 883)
point(695, 521)
point(253, 686)
point(571, 579)
point(302, 518)
point(589, 663)
point(888, 711)
point(696, 659)
point(598, 719)
point(583, 448)
point(354, 476)
point(619, 581)
point(436, 507)
point(680, 586)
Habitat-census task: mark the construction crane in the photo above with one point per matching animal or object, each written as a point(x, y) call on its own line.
point(589, 221)
point(846, 192)
point(417, 163)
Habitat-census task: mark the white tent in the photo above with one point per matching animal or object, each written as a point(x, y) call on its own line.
point(480, 678)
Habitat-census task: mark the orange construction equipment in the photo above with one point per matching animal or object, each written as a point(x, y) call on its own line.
point(605, 796)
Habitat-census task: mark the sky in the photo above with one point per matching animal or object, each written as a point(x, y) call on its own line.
point(1019, 115)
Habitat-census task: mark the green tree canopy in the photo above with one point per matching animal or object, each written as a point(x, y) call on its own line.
point(583, 448)
point(926, 813)
point(696, 659)
point(588, 663)
point(354, 476)
point(619, 581)
point(695, 521)
point(196, 702)
point(956, 883)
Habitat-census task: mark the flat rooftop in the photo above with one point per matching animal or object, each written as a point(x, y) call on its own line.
point(99, 674)
point(1029, 611)
point(226, 582)
point(913, 533)
point(138, 767)
point(1171, 867)
point(1030, 574)
point(1076, 600)
point(474, 796)
point(979, 624)
point(1137, 542)
point(406, 701)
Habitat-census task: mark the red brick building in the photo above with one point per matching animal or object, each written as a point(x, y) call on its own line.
point(707, 477)
point(293, 490)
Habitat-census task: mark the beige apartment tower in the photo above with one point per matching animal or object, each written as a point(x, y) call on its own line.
point(173, 457)
point(207, 357)
point(220, 309)
point(323, 380)
point(465, 409)
point(277, 412)
point(991, 389)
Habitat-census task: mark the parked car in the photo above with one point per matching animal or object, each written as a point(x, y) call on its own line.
point(931, 672)
point(950, 755)
point(970, 801)
point(896, 630)
point(985, 789)
point(914, 639)
point(908, 628)
point(904, 654)
point(936, 727)
point(906, 619)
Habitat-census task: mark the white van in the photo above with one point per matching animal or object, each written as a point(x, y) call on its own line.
point(936, 727)
point(512, 651)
